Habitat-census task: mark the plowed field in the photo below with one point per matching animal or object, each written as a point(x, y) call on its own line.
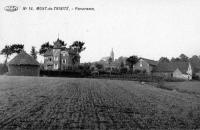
point(69, 103)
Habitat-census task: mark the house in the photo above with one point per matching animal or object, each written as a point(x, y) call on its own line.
point(146, 65)
point(60, 57)
point(179, 70)
point(23, 65)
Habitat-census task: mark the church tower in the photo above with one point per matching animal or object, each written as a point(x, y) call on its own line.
point(112, 55)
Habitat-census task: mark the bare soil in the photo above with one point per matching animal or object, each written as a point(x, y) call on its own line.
point(72, 103)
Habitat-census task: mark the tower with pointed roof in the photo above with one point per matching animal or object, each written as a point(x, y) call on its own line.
point(60, 57)
point(112, 55)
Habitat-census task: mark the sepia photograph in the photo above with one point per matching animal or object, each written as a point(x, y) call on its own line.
point(99, 65)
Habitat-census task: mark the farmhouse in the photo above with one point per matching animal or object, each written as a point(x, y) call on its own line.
point(60, 58)
point(180, 70)
point(146, 65)
point(23, 65)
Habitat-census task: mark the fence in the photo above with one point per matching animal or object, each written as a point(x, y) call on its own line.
point(133, 77)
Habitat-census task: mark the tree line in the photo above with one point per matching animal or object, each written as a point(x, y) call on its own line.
point(76, 47)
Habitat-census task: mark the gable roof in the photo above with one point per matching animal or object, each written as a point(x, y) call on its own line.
point(172, 66)
point(23, 59)
point(150, 62)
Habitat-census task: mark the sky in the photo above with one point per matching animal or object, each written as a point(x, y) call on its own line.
point(146, 28)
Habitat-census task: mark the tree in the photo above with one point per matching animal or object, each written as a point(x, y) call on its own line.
point(164, 60)
point(175, 59)
point(33, 52)
point(75, 59)
point(7, 52)
point(131, 61)
point(85, 69)
point(45, 47)
point(99, 66)
point(122, 64)
point(17, 48)
point(77, 46)
point(183, 57)
point(195, 62)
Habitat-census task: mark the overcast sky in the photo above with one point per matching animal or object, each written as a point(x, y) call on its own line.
point(147, 28)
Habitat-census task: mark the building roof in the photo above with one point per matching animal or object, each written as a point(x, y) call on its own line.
point(151, 62)
point(58, 43)
point(49, 52)
point(23, 59)
point(172, 66)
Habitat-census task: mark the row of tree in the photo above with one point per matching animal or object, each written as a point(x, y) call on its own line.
point(8, 50)
point(194, 60)
point(182, 58)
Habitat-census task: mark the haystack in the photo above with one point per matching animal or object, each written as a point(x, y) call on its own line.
point(23, 65)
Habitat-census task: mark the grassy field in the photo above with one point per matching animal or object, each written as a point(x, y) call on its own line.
point(69, 103)
point(192, 87)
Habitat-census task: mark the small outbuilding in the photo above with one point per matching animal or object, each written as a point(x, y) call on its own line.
point(23, 65)
point(179, 70)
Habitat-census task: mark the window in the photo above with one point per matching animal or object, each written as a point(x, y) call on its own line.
point(56, 58)
point(55, 66)
point(140, 63)
point(50, 59)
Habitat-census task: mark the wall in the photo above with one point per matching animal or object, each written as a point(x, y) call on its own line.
point(48, 63)
point(178, 74)
point(23, 70)
point(142, 65)
point(66, 57)
point(57, 55)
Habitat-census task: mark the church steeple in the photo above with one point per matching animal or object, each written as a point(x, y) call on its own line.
point(112, 55)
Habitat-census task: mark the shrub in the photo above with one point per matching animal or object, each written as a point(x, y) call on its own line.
point(195, 77)
point(137, 71)
point(123, 70)
point(171, 79)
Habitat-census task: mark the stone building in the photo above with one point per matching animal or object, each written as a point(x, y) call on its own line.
point(60, 57)
point(146, 65)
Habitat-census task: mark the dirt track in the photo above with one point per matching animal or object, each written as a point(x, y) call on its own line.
point(60, 103)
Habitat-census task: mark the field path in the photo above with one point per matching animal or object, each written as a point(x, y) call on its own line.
point(96, 104)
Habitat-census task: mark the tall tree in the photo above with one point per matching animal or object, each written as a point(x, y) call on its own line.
point(45, 47)
point(7, 52)
point(164, 60)
point(131, 61)
point(195, 62)
point(77, 46)
point(75, 59)
point(33, 52)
